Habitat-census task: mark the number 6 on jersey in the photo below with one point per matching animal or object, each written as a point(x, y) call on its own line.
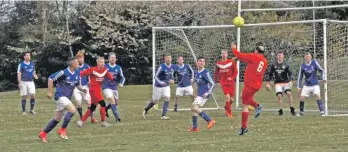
point(259, 68)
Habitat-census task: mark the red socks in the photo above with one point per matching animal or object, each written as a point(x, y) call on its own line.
point(102, 113)
point(245, 116)
point(86, 115)
point(254, 103)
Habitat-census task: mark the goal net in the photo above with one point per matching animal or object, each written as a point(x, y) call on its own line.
point(294, 38)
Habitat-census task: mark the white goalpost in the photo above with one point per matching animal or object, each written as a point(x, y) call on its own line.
point(295, 38)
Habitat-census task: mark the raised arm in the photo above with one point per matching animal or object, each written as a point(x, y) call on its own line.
point(320, 69)
point(245, 57)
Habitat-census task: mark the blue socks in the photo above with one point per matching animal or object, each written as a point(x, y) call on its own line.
point(32, 104)
point(149, 106)
point(205, 116)
point(53, 123)
point(194, 121)
point(114, 110)
point(23, 105)
point(67, 119)
point(165, 108)
point(320, 105)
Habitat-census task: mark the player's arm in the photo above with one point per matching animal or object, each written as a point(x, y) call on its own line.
point(192, 73)
point(290, 75)
point(299, 79)
point(212, 84)
point(171, 76)
point(157, 79)
point(234, 70)
point(122, 78)
point(195, 89)
point(269, 76)
point(321, 70)
point(34, 73)
point(79, 86)
point(245, 57)
point(19, 75)
point(216, 74)
point(85, 72)
point(109, 76)
point(51, 79)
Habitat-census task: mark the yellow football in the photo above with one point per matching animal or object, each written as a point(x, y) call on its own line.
point(238, 21)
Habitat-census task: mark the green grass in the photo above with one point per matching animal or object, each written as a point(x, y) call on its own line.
point(268, 133)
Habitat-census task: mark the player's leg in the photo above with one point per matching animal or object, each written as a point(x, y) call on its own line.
point(24, 93)
point(290, 101)
point(112, 97)
point(103, 114)
point(227, 99)
point(305, 92)
point(316, 92)
point(156, 95)
point(166, 96)
point(78, 99)
point(279, 93)
point(94, 101)
point(178, 93)
point(32, 92)
point(200, 101)
point(71, 110)
point(231, 93)
point(54, 121)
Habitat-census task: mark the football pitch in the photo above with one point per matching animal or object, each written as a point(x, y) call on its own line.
point(270, 132)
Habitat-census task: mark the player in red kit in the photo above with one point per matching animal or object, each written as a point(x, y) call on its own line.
point(96, 75)
point(253, 78)
point(226, 71)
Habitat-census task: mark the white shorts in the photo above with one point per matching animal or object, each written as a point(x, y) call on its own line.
point(27, 88)
point(282, 87)
point(184, 91)
point(200, 100)
point(108, 93)
point(79, 95)
point(309, 90)
point(159, 92)
point(61, 103)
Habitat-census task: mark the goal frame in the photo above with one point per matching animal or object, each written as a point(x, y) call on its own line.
point(323, 21)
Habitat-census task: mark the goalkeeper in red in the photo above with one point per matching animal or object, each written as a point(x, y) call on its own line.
point(253, 78)
point(226, 71)
point(96, 75)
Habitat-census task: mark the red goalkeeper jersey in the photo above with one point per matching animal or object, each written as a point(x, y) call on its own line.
point(96, 76)
point(255, 70)
point(226, 72)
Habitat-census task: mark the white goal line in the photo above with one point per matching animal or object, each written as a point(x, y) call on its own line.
point(232, 26)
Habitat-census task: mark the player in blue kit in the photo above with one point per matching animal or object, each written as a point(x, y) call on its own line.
point(185, 77)
point(110, 86)
point(25, 74)
point(81, 96)
point(67, 80)
point(163, 77)
point(311, 83)
point(204, 88)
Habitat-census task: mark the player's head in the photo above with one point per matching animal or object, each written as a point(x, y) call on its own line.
point(167, 58)
point(112, 58)
point(26, 56)
point(72, 62)
point(308, 57)
point(224, 54)
point(80, 57)
point(260, 49)
point(200, 62)
point(280, 56)
point(180, 60)
point(100, 62)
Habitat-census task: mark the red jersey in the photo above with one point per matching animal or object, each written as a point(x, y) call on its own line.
point(96, 76)
point(226, 72)
point(255, 70)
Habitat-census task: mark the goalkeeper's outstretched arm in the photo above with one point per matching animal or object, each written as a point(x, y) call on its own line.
point(245, 57)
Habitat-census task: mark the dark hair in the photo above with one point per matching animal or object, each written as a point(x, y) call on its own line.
point(308, 53)
point(260, 49)
point(25, 53)
point(70, 59)
point(280, 52)
point(201, 57)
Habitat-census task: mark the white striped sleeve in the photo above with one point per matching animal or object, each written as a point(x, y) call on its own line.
point(19, 68)
point(158, 71)
point(210, 80)
point(123, 79)
point(192, 72)
point(57, 75)
point(320, 69)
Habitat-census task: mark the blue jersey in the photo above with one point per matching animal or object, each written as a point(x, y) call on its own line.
point(164, 73)
point(66, 82)
point(84, 79)
point(309, 71)
point(205, 83)
point(26, 70)
point(117, 73)
point(185, 74)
